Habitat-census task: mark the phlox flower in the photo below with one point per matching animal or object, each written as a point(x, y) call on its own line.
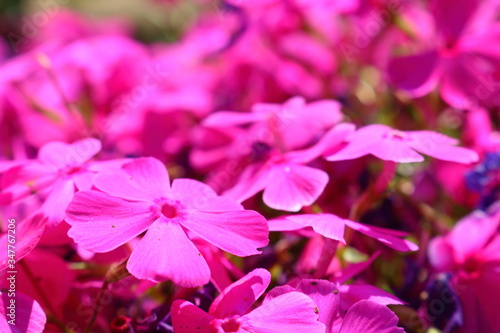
point(462, 58)
point(288, 183)
point(390, 144)
point(471, 253)
point(230, 311)
point(291, 125)
point(275, 142)
point(58, 172)
point(368, 312)
point(333, 227)
point(138, 198)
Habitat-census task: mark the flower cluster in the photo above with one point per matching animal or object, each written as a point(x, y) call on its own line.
point(265, 166)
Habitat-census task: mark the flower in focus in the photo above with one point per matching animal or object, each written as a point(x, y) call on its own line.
point(290, 312)
point(139, 198)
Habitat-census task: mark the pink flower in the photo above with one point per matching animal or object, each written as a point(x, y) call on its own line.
point(31, 229)
point(367, 314)
point(291, 125)
point(471, 251)
point(287, 182)
point(462, 58)
point(139, 198)
point(402, 146)
point(28, 315)
point(59, 171)
point(332, 226)
point(291, 312)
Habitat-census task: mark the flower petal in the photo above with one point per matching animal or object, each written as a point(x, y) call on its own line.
point(239, 296)
point(369, 317)
point(388, 239)
point(101, 223)
point(293, 186)
point(292, 313)
point(196, 195)
point(54, 207)
point(29, 316)
point(166, 253)
point(188, 318)
point(61, 154)
point(360, 142)
point(326, 296)
point(29, 232)
point(142, 179)
point(237, 232)
point(417, 74)
point(328, 225)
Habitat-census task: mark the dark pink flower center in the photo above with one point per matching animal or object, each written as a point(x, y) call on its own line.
point(71, 170)
point(472, 266)
point(232, 324)
point(169, 210)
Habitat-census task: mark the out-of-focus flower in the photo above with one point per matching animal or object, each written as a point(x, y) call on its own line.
point(471, 253)
point(402, 146)
point(24, 315)
point(462, 58)
point(60, 170)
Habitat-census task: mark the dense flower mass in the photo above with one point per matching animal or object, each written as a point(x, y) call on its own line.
point(265, 166)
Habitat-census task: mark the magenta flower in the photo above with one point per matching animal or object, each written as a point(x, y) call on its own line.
point(368, 314)
point(139, 198)
point(460, 57)
point(402, 146)
point(31, 229)
point(332, 226)
point(291, 125)
point(471, 252)
point(288, 183)
point(59, 171)
point(292, 312)
point(28, 316)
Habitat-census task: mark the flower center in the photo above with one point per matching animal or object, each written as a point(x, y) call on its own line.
point(472, 266)
point(232, 324)
point(396, 134)
point(169, 210)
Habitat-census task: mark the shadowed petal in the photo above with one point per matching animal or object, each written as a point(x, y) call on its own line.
point(239, 296)
point(388, 239)
point(370, 317)
point(188, 318)
point(29, 317)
